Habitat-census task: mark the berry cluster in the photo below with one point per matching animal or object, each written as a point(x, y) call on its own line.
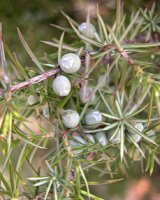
point(70, 64)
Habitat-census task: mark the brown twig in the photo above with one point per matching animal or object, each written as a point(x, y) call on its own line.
point(31, 81)
point(123, 53)
point(47, 74)
point(66, 144)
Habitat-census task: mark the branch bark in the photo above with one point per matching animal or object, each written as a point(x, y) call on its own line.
point(31, 81)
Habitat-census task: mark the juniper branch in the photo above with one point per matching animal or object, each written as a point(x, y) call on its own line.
point(45, 75)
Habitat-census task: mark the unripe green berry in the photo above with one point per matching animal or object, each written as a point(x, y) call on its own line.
point(101, 138)
point(76, 142)
point(93, 117)
point(79, 139)
point(70, 118)
point(135, 136)
point(75, 145)
point(70, 63)
point(139, 126)
point(87, 30)
point(88, 92)
point(116, 138)
point(90, 138)
point(32, 100)
point(45, 111)
point(61, 86)
point(152, 134)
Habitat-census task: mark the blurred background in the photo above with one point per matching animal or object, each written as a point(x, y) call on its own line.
point(33, 19)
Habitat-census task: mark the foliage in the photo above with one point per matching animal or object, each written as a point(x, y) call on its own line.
point(125, 57)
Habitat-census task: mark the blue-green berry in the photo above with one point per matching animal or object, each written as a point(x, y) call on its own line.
point(101, 138)
point(87, 30)
point(70, 118)
point(93, 118)
point(70, 63)
point(61, 86)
